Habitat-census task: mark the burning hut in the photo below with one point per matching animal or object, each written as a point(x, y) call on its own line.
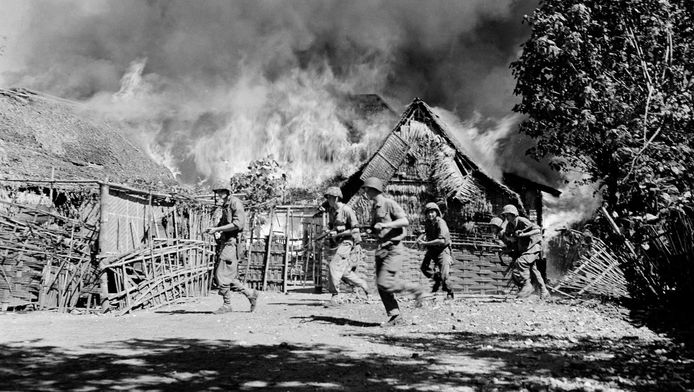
point(420, 161)
point(71, 235)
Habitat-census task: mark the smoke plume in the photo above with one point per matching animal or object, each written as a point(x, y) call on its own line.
point(209, 86)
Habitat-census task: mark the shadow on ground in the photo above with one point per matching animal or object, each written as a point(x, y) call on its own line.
point(431, 361)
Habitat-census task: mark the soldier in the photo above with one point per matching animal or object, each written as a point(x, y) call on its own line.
point(227, 234)
point(437, 240)
point(527, 237)
point(389, 222)
point(344, 233)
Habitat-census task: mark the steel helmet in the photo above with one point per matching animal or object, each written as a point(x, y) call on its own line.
point(496, 221)
point(221, 186)
point(510, 209)
point(432, 206)
point(333, 191)
point(373, 183)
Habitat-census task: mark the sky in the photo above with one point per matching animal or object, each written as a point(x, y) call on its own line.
point(208, 86)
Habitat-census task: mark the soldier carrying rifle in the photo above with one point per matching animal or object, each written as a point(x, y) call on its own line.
point(522, 239)
point(344, 234)
point(227, 233)
point(389, 223)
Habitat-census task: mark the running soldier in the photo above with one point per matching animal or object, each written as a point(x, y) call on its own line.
point(344, 235)
point(389, 223)
point(437, 240)
point(524, 237)
point(227, 233)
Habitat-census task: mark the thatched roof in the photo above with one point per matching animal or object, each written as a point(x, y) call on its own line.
point(42, 136)
point(395, 147)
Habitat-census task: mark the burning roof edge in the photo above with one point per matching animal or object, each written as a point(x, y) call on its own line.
point(353, 183)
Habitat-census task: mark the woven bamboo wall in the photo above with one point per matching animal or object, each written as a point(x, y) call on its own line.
point(45, 256)
point(476, 270)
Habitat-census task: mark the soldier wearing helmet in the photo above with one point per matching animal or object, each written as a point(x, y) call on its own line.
point(389, 223)
point(437, 240)
point(227, 233)
point(344, 235)
point(525, 238)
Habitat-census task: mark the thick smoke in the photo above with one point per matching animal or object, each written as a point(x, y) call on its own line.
point(209, 86)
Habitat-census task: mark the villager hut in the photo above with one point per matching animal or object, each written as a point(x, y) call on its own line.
point(72, 233)
point(420, 161)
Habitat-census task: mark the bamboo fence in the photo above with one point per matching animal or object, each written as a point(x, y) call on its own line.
point(46, 258)
point(160, 273)
point(597, 270)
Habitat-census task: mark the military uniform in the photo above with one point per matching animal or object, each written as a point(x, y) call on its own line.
point(527, 253)
point(342, 266)
point(389, 256)
point(439, 254)
point(226, 268)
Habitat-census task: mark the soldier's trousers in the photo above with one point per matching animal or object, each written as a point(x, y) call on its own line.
point(524, 265)
point(388, 265)
point(226, 272)
point(442, 262)
point(342, 268)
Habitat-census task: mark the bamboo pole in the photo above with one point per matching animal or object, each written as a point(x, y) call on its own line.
point(103, 245)
point(268, 251)
point(286, 251)
point(250, 248)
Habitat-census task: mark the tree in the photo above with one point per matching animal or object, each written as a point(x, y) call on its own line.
point(263, 184)
point(607, 90)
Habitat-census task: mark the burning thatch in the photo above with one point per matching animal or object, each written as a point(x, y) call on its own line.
point(43, 137)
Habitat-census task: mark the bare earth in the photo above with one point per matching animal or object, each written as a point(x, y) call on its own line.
point(292, 343)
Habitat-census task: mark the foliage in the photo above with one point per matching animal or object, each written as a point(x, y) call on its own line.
point(607, 90)
point(263, 184)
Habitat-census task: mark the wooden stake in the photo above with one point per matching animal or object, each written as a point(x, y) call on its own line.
point(103, 245)
point(268, 251)
point(286, 251)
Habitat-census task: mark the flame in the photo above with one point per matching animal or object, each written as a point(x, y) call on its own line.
point(296, 119)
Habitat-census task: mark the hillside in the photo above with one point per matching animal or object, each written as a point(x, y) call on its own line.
point(39, 134)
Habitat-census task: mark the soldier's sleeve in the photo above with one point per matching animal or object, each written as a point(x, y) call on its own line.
point(238, 215)
point(351, 218)
point(444, 233)
point(396, 212)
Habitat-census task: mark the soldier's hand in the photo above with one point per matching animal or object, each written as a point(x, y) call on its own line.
point(332, 233)
point(378, 226)
point(207, 230)
point(340, 228)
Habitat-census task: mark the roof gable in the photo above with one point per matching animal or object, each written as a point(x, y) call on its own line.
point(455, 168)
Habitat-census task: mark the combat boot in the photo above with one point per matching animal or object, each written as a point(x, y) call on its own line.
point(393, 321)
point(527, 290)
point(333, 303)
point(253, 299)
point(226, 308)
point(437, 283)
point(544, 294)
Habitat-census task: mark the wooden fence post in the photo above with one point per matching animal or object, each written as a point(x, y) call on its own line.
point(268, 250)
point(103, 220)
point(286, 251)
point(249, 252)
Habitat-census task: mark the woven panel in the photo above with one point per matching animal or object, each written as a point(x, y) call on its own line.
point(127, 219)
point(387, 159)
point(473, 271)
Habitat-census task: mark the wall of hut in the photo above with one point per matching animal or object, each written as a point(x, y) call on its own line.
point(419, 166)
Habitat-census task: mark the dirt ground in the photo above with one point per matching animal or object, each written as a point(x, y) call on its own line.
point(293, 343)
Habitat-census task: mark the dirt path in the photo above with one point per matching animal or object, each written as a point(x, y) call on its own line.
point(292, 343)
